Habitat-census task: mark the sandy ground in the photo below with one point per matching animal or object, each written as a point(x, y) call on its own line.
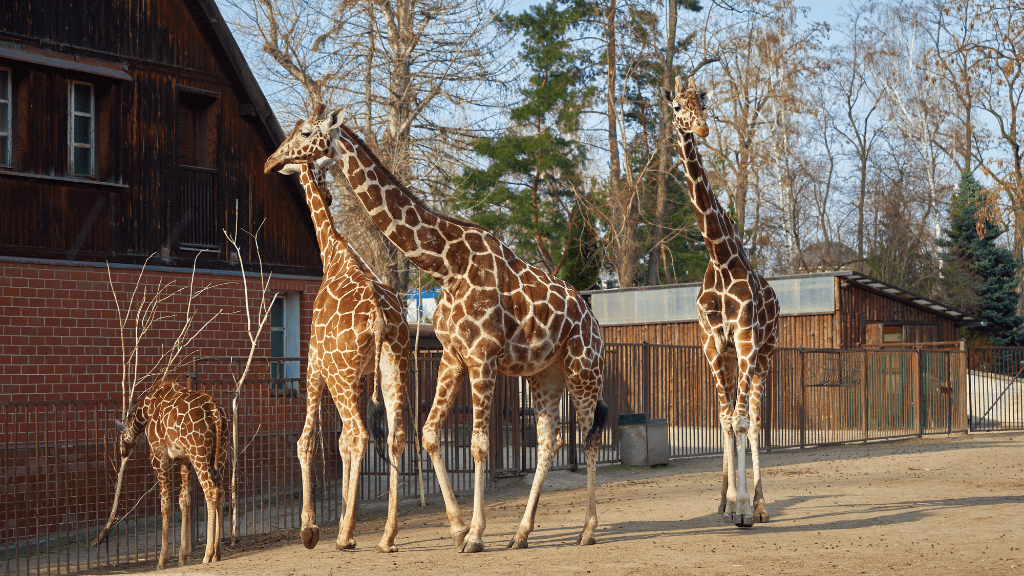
point(938, 505)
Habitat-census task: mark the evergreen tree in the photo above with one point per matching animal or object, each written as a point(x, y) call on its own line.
point(582, 267)
point(527, 191)
point(975, 264)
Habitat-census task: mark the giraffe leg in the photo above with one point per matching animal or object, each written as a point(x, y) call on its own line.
point(393, 378)
point(162, 467)
point(760, 514)
point(481, 379)
point(185, 502)
point(725, 477)
point(449, 378)
point(546, 388)
point(354, 437)
point(209, 488)
point(586, 399)
point(310, 532)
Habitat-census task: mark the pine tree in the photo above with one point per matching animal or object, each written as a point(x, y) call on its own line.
point(976, 266)
point(582, 267)
point(527, 191)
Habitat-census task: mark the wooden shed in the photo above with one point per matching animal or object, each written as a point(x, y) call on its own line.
point(842, 309)
point(133, 131)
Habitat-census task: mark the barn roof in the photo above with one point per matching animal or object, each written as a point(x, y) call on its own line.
point(798, 294)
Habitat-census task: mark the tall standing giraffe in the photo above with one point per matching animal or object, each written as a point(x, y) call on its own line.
point(357, 327)
point(738, 314)
point(182, 426)
point(497, 314)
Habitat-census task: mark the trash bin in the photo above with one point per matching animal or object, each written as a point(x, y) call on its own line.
point(642, 441)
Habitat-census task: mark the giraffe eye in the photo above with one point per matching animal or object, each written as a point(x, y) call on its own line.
point(306, 133)
point(677, 107)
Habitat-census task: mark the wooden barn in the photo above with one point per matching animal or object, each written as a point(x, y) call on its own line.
point(840, 309)
point(133, 131)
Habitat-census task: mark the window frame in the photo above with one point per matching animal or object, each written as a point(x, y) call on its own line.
point(72, 115)
point(8, 161)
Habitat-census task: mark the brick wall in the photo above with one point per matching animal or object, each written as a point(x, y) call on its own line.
point(59, 327)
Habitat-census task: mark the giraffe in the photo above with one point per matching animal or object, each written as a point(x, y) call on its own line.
point(357, 327)
point(496, 314)
point(738, 315)
point(182, 426)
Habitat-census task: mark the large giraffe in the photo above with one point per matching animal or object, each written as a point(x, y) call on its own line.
point(357, 327)
point(497, 314)
point(182, 426)
point(738, 314)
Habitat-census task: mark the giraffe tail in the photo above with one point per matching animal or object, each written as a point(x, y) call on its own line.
point(376, 417)
point(218, 425)
point(600, 420)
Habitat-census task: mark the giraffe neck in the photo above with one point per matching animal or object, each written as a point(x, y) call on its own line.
point(315, 186)
point(716, 226)
point(417, 231)
point(136, 422)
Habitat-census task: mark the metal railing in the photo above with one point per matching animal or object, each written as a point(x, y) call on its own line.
point(58, 479)
point(996, 381)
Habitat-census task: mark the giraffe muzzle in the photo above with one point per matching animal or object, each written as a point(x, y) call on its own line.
point(274, 163)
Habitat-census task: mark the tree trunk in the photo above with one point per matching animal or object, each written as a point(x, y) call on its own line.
point(666, 139)
point(624, 207)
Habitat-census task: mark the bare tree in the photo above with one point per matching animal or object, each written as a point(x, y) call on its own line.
point(418, 72)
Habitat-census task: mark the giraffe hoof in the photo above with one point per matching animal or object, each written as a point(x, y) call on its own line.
point(470, 546)
point(459, 538)
point(744, 520)
point(517, 544)
point(761, 517)
point(347, 544)
point(588, 541)
point(386, 548)
point(310, 536)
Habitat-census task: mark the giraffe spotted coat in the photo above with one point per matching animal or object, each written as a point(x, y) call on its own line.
point(183, 426)
point(497, 314)
point(738, 315)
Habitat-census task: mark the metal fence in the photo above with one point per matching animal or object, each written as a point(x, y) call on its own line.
point(58, 477)
point(996, 382)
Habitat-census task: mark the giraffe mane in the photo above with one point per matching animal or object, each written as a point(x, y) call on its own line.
point(350, 133)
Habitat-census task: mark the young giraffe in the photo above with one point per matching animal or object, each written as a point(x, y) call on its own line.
point(182, 426)
point(496, 314)
point(357, 326)
point(738, 314)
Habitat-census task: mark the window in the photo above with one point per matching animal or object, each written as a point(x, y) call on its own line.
point(5, 117)
point(892, 334)
point(284, 343)
point(82, 129)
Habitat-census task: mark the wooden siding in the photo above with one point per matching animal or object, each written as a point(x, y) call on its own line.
point(134, 207)
point(858, 306)
point(811, 331)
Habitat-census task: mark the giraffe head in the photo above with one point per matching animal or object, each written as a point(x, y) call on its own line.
point(688, 107)
point(309, 141)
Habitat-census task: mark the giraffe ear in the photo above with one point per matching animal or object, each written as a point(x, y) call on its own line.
point(668, 95)
point(335, 119)
point(289, 169)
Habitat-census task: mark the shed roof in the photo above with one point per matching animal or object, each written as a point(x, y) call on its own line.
point(798, 294)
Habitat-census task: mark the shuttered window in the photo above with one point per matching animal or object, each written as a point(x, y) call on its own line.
point(82, 129)
point(188, 135)
point(5, 117)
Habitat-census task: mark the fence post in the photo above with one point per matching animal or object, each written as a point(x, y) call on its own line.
point(803, 394)
point(864, 390)
point(646, 367)
point(919, 376)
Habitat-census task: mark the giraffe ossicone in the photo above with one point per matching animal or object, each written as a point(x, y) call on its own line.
point(357, 329)
point(497, 314)
point(738, 315)
point(183, 427)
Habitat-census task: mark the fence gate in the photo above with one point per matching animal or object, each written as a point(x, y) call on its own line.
point(996, 380)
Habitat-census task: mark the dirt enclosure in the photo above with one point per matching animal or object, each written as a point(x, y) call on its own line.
point(938, 505)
